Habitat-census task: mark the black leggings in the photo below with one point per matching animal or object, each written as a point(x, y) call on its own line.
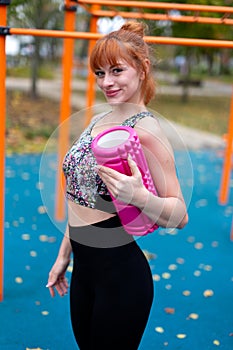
point(111, 292)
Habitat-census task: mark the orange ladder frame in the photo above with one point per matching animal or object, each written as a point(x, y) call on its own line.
point(3, 21)
point(69, 34)
point(227, 164)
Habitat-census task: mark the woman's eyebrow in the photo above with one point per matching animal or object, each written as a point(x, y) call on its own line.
point(117, 65)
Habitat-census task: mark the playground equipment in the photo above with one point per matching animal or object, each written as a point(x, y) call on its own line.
point(111, 9)
point(227, 164)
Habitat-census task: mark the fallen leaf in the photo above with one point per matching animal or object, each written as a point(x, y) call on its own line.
point(159, 329)
point(25, 236)
point(168, 286)
point(43, 238)
point(197, 273)
point(166, 275)
point(18, 280)
point(208, 293)
point(169, 310)
point(181, 336)
point(216, 342)
point(208, 268)
point(44, 313)
point(186, 293)
point(180, 261)
point(148, 255)
point(172, 267)
point(198, 245)
point(193, 316)
point(33, 253)
point(42, 209)
point(156, 277)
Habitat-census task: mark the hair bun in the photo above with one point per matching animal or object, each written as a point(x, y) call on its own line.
point(134, 27)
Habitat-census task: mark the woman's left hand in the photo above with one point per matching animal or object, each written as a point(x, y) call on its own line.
point(125, 188)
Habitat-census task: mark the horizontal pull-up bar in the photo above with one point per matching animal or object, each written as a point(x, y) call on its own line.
point(189, 42)
point(54, 33)
point(158, 5)
point(94, 36)
point(164, 17)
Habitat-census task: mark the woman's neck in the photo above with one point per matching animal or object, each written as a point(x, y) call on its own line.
point(125, 110)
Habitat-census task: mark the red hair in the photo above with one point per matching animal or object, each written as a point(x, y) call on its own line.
point(127, 44)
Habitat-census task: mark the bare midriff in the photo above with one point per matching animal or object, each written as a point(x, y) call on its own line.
point(79, 215)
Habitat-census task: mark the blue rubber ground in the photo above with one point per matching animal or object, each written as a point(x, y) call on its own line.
point(192, 268)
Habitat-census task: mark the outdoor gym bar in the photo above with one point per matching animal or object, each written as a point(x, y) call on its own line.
point(151, 39)
point(196, 17)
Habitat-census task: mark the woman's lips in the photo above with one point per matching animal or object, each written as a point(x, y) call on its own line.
point(111, 93)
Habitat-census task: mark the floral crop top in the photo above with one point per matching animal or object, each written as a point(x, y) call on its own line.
point(83, 184)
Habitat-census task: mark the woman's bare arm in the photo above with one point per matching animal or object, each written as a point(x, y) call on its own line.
point(168, 209)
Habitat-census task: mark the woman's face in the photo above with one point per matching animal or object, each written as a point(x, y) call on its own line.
point(120, 83)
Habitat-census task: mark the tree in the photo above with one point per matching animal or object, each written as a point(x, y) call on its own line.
point(40, 14)
point(197, 30)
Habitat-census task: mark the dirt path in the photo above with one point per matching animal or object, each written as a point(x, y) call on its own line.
point(177, 134)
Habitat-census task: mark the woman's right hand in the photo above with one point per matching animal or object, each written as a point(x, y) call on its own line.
point(57, 280)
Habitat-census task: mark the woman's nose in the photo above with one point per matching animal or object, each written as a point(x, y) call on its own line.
point(108, 80)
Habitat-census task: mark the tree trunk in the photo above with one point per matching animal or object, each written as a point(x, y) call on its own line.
point(210, 61)
point(35, 68)
point(185, 73)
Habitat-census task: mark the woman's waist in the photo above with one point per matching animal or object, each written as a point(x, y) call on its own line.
point(105, 234)
point(96, 253)
point(100, 202)
point(79, 215)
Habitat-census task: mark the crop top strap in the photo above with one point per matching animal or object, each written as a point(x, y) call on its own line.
point(132, 121)
point(96, 119)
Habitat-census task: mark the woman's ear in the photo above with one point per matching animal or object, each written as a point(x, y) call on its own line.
point(147, 65)
point(146, 69)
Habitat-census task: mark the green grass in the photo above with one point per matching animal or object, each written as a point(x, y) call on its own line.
point(30, 123)
point(45, 72)
point(205, 113)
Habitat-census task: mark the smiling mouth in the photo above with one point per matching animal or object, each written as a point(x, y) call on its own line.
point(111, 93)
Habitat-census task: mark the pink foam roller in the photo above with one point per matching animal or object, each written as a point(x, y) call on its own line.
point(111, 148)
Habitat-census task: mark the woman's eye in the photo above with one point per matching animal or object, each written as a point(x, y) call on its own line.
point(99, 73)
point(117, 70)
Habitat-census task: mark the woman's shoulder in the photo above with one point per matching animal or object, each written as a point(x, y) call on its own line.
point(149, 123)
point(135, 118)
point(95, 117)
point(98, 116)
point(150, 132)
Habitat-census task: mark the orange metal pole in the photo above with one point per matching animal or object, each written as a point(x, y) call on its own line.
point(152, 39)
point(90, 93)
point(159, 5)
point(224, 188)
point(65, 109)
point(3, 21)
point(54, 33)
point(189, 42)
point(164, 17)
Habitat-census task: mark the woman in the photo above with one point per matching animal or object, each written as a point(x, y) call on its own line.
point(111, 288)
